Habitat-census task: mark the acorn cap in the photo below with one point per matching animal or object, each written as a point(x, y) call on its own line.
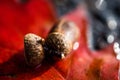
point(33, 49)
point(56, 45)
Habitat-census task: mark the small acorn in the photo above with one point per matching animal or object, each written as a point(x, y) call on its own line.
point(60, 41)
point(33, 45)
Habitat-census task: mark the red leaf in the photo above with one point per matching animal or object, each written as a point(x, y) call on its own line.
point(37, 16)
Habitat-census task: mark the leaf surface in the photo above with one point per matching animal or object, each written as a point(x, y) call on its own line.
point(18, 19)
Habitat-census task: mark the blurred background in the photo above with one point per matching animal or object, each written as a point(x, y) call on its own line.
point(103, 16)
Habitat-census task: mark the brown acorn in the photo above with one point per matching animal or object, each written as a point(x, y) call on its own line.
point(33, 45)
point(60, 41)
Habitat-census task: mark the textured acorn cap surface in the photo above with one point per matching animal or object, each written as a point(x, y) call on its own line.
point(56, 45)
point(33, 49)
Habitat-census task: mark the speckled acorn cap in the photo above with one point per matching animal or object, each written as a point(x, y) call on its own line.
point(33, 49)
point(56, 45)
